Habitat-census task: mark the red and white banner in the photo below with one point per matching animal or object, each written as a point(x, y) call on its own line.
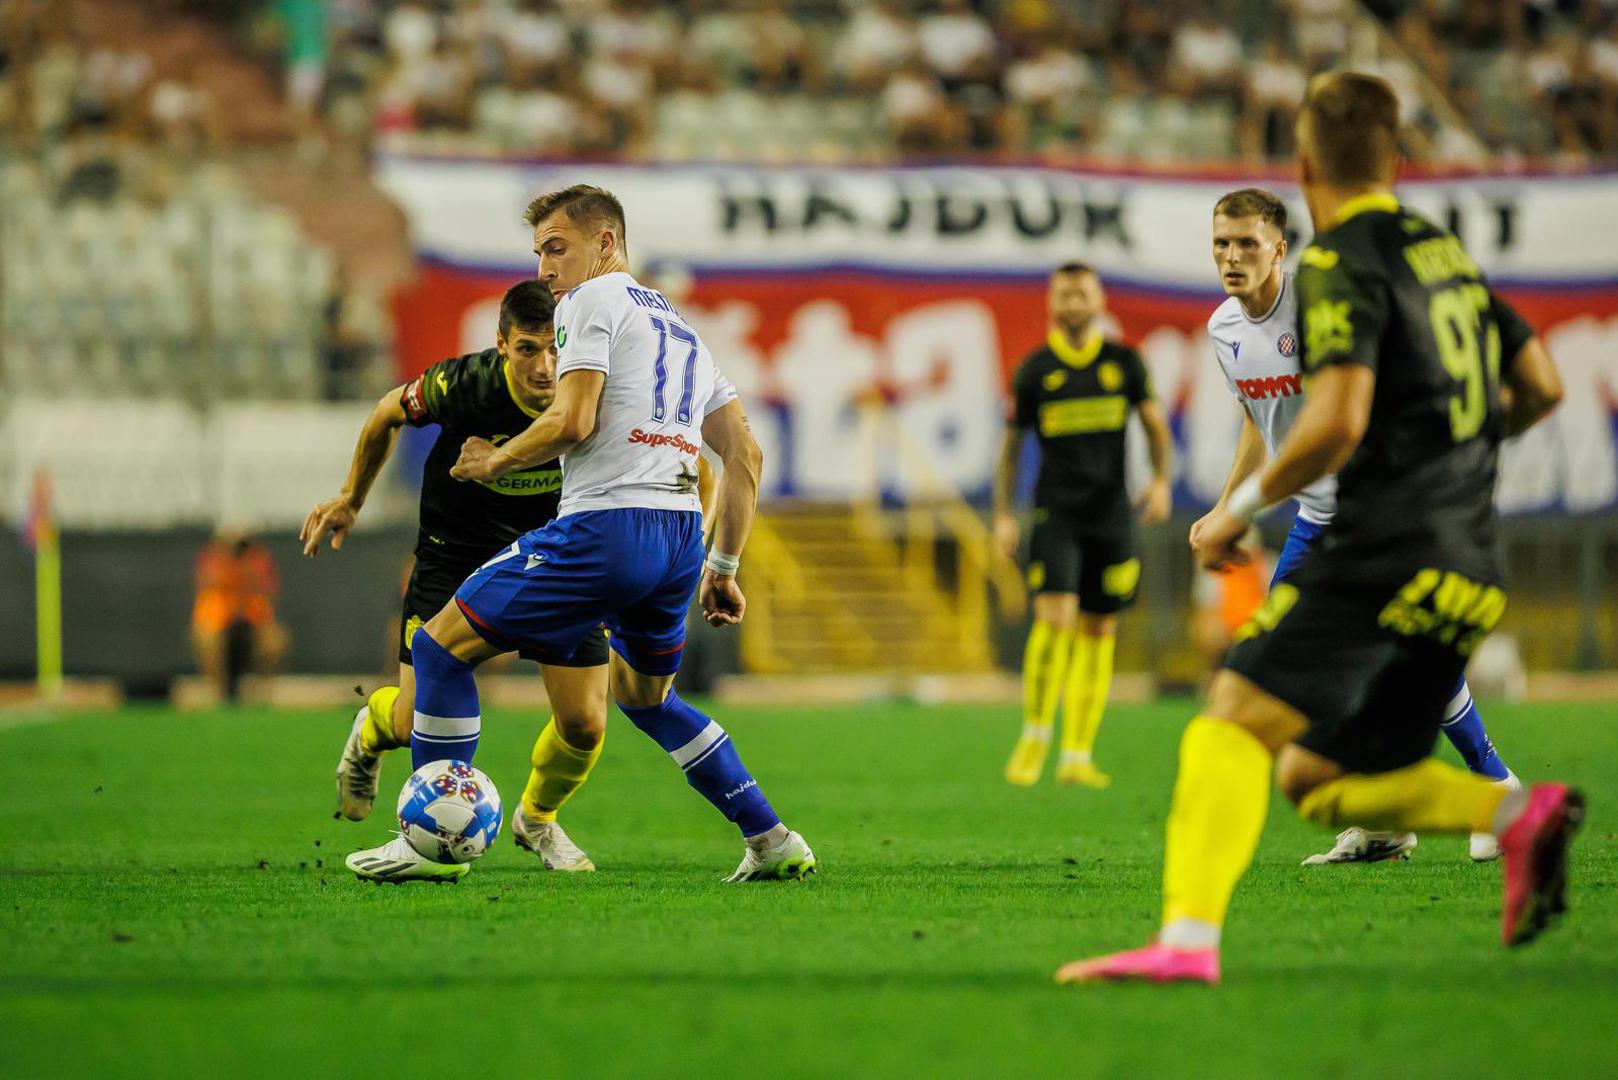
point(820, 289)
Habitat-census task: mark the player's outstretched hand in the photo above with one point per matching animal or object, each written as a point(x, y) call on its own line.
point(1217, 541)
point(722, 601)
point(1156, 502)
point(1196, 526)
point(476, 461)
point(335, 516)
point(1007, 534)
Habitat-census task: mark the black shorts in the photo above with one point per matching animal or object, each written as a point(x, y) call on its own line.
point(432, 585)
point(1370, 666)
point(1070, 553)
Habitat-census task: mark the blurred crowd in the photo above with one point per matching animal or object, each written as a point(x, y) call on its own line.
point(816, 79)
point(876, 79)
point(1533, 78)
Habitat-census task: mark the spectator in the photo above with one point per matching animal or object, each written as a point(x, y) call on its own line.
point(957, 44)
point(233, 625)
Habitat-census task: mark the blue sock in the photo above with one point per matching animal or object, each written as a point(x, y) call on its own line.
point(712, 766)
point(1464, 728)
point(447, 721)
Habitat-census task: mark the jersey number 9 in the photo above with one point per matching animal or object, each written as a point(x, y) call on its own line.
point(1470, 352)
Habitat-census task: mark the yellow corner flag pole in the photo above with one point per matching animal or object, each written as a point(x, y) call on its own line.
point(47, 587)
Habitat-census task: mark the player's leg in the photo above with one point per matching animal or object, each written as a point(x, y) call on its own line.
point(1355, 844)
point(447, 721)
point(375, 731)
point(1109, 575)
point(647, 640)
point(563, 756)
point(1463, 727)
point(385, 721)
point(1089, 682)
point(1053, 567)
point(1216, 815)
point(1045, 663)
point(705, 753)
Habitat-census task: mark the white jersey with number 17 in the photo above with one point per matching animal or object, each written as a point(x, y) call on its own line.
point(661, 384)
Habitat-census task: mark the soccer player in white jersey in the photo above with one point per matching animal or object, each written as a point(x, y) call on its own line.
point(636, 394)
point(1255, 340)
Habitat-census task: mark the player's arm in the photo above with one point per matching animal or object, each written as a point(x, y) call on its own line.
point(1007, 533)
point(1250, 456)
point(1022, 415)
point(1532, 388)
point(707, 485)
point(726, 431)
point(1157, 500)
point(570, 420)
point(377, 438)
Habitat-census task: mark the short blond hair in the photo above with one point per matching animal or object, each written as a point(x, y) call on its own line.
point(584, 204)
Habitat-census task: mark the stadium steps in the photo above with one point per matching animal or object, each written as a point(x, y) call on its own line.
point(827, 595)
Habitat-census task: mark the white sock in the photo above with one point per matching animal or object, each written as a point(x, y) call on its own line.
point(1510, 809)
point(1190, 934)
point(766, 840)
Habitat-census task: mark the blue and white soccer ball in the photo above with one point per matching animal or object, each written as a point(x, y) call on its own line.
point(449, 811)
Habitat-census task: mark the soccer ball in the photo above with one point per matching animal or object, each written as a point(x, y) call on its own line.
point(449, 811)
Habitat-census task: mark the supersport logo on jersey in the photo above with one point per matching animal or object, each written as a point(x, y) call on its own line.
point(679, 442)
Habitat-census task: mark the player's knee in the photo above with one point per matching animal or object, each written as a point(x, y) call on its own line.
point(1058, 610)
point(1268, 719)
point(1305, 779)
point(582, 726)
point(1092, 625)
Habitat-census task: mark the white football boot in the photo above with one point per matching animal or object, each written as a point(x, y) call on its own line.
point(1361, 845)
point(547, 840)
point(787, 859)
point(1482, 846)
point(396, 861)
point(357, 774)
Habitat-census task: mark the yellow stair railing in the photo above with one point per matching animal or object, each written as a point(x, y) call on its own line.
point(933, 503)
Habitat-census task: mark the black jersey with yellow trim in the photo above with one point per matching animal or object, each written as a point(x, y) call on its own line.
point(1077, 401)
point(1387, 289)
point(474, 395)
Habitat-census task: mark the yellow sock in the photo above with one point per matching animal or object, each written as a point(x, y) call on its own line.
point(1033, 671)
point(1428, 796)
point(1054, 678)
point(1044, 666)
point(559, 770)
point(1220, 799)
point(1089, 681)
point(376, 734)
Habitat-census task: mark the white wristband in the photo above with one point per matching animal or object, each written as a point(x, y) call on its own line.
point(723, 565)
point(1247, 501)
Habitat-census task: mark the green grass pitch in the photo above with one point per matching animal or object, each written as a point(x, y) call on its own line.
point(173, 902)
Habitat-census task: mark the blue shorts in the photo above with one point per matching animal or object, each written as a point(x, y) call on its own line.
point(1302, 538)
point(632, 571)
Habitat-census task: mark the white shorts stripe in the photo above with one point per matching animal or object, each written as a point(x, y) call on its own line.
point(705, 740)
point(1458, 704)
point(428, 725)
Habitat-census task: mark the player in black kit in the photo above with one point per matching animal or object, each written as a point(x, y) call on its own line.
point(1415, 372)
point(1076, 395)
point(494, 394)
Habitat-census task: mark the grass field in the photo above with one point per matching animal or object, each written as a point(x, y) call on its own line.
point(174, 903)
